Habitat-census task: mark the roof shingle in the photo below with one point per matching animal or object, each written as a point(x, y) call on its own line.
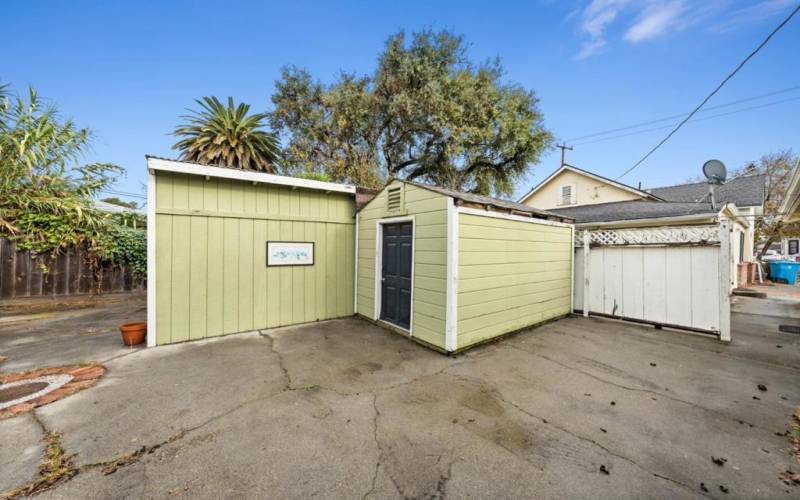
point(742, 191)
point(633, 210)
point(489, 201)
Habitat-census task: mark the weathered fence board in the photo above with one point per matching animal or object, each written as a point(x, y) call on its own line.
point(21, 275)
point(666, 276)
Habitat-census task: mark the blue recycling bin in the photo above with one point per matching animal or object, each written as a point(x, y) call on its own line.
point(784, 270)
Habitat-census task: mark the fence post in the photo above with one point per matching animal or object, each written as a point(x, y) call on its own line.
point(587, 238)
point(724, 281)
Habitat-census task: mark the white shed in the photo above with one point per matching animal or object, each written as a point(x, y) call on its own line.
point(666, 264)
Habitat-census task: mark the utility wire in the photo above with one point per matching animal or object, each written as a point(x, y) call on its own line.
point(681, 115)
point(749, 108)
point(122, 193)
point(713, 92)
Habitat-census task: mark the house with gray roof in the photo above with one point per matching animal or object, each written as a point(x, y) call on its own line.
point(595, 202)
point(744, 192)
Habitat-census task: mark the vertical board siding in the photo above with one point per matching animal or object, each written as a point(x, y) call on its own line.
point(577, 289)
point(430, 259)
point(511, 274)
point(670, 285)
point(211, 273)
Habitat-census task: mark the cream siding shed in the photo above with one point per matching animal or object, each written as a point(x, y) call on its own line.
point(511, 274)
point(429, 212)
point(481, 267)
point(208, 229)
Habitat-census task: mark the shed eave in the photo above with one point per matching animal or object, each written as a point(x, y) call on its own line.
point(161, 164)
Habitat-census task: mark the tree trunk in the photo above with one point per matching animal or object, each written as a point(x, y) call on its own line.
point(767, 243)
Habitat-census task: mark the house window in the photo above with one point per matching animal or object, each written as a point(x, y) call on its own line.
point(567, 195)
point(793, 247)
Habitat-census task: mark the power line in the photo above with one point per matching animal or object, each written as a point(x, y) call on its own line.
point(713, 92)
point(563, 148)
point(681, 115)
point(749, 108)
point(122, 193)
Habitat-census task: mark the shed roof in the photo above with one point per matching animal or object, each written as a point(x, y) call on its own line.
point(195, 168)
point(490, 202)
point(633, 210)
point(745, 191)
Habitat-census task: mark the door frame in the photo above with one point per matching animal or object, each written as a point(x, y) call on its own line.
point(379, 268)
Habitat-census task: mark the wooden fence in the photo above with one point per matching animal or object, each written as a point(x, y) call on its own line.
point(21, 275)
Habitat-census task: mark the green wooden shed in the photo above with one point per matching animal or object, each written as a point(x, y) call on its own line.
point(452, 269)
point(232, 251)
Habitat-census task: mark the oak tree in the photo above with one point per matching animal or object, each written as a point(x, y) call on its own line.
point(427, 114)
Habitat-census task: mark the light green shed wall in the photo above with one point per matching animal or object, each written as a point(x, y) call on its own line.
point(511, 274)
point(430, 258)
point(211, 273)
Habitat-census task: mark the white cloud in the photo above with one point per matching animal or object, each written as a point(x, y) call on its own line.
point(591, 48)
point(600, 21)
point(594, 19)
point(655, 20)
point(752, 14)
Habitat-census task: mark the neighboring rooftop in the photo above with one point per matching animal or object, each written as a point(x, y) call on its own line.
point(567, 166)
point(633, 210)
point(742, 191)
point(113, 208)
point(489, 202)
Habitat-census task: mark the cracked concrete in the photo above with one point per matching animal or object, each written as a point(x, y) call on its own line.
point(21, 449)
point(344, 409)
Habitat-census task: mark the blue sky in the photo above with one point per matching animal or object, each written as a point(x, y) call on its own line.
point(129, 69)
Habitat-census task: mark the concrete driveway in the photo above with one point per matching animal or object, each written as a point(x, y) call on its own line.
point(344, 409)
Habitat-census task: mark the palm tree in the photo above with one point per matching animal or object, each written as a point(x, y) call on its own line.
point(227, 136)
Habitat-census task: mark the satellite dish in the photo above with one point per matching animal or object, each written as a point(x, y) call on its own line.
point(715, 171)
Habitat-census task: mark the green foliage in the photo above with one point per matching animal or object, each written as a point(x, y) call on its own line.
point(314, 176)
point(227, 136)
point(126, 246)
point(45, 195)
point(427, 113)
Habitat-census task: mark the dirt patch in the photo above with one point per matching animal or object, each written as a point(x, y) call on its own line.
point(483, 402)
point(20, 391)
point(43, 304)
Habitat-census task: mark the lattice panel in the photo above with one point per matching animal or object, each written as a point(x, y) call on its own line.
point(678, 235)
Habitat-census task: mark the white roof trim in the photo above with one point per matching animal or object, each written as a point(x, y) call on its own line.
point(792, 198)
point(731, 211)
point(244, 175)
point(520, 218)
point(579, 171)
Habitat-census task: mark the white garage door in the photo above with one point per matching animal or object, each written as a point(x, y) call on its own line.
point(680, 284)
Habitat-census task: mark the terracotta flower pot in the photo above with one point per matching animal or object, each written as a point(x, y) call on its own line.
point(133, 333)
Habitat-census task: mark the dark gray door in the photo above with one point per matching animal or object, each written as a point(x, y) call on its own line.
point(396, 273)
